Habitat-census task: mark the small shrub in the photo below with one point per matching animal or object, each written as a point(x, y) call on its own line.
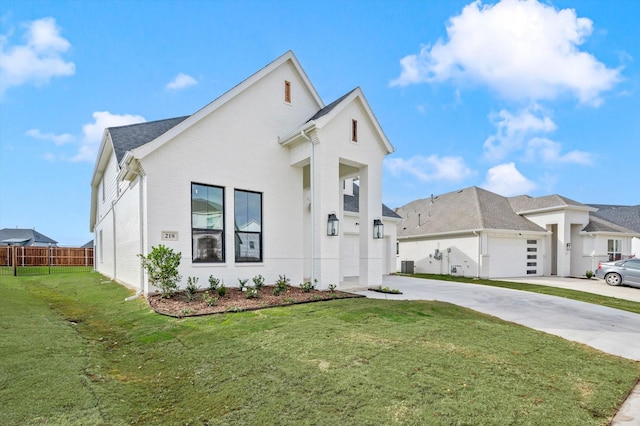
point(307, 287)
point(185, 312)
point(589, 274)
point(281, 285)
point(191, 289)
point(222, 290)
point(214, 283)
point(234, 309)
point(252, 293)
point(208, 299)
point(162, 268)
point(242, 283)
point(289, 300)
point(258, 282)
point(332, 288)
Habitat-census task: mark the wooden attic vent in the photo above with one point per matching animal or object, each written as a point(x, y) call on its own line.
point(354, 130)
point(287, 91)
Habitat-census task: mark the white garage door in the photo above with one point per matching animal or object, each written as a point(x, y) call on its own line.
point(508, 257)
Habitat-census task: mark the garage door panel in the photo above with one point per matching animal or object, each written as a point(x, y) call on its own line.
point(508, 257)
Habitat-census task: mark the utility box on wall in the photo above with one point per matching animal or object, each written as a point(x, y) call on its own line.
point(406, 267)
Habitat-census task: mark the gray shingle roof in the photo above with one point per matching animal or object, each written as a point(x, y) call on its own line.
point(598, 224)
point(30, 236)
point(352, 204)
point(625, 216)
point(523, 203)
point(326, 110)
point(468, 209)
point(126, 138)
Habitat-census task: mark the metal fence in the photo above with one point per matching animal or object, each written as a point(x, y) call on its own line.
point(18, 260)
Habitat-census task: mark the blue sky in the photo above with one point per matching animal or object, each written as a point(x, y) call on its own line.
point(516, 97)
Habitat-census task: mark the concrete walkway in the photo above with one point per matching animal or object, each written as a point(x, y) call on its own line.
point(610, 330)
point(593, 285)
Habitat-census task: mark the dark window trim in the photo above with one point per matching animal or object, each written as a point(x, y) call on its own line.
point(236, 233)
point(223, 250)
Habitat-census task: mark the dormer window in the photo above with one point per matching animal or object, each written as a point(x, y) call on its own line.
point(354, 130)
point(287, 91)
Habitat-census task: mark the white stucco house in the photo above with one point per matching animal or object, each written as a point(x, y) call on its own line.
point(474, 232)
point(247, 185)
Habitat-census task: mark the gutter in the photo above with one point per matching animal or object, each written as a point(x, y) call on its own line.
point(479, 252)
point(313, 207)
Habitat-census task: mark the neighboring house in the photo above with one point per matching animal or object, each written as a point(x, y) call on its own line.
point(246, 186)
point(625, 216)
point(25, 237)
point(474, 232)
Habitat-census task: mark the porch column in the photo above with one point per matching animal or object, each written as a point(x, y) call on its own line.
point(325, 200)
point(371, 250)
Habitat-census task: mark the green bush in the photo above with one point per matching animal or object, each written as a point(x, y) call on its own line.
point(191, 289)
point(214, 283)
point(252, 293)
point(281, 285)
point(589, 274)
point(258, 282)
point(307, 287)
point(222, 290)
point(162, 268)
point(242, 283)
point(208, 299)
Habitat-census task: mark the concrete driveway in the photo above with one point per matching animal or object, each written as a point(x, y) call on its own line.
point(610, 330)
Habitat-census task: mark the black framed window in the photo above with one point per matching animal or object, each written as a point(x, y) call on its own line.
point(248, 226)
point(207, 223)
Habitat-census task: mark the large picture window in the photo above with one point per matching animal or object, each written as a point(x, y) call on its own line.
point(207, 223)
point(613, 249)
point(248, 226)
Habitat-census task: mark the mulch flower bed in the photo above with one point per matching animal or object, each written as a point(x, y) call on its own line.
point(236, 301)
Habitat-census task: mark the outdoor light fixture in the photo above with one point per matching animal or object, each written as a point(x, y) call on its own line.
point(378, 229)
point(333, 224)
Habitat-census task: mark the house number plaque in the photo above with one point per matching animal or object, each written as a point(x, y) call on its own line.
point(169, 236)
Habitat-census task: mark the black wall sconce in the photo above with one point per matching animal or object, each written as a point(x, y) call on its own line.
point(378, 229)
point(333, 225)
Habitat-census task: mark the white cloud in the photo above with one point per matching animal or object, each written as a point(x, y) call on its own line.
point(93, 132)
point(181, 81)
point(524, 50)
point(507, 181)
point(36, 61)
point(430, 169)
point(549, 151)
point(512, 130)
point(57, 139)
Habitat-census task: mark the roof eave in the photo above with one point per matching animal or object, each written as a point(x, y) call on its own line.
point(471, 231)
point(297, 135)
point(554, 208)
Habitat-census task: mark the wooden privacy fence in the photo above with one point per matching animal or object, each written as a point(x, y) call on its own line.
point(18, 260)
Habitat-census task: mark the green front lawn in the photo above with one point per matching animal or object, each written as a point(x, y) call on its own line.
point(74, 352)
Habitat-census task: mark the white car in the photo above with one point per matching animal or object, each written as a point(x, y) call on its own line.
point(620, 272)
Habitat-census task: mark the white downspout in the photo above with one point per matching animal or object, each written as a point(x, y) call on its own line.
point(313, 207)
point(479, 253)
point(115, 253)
